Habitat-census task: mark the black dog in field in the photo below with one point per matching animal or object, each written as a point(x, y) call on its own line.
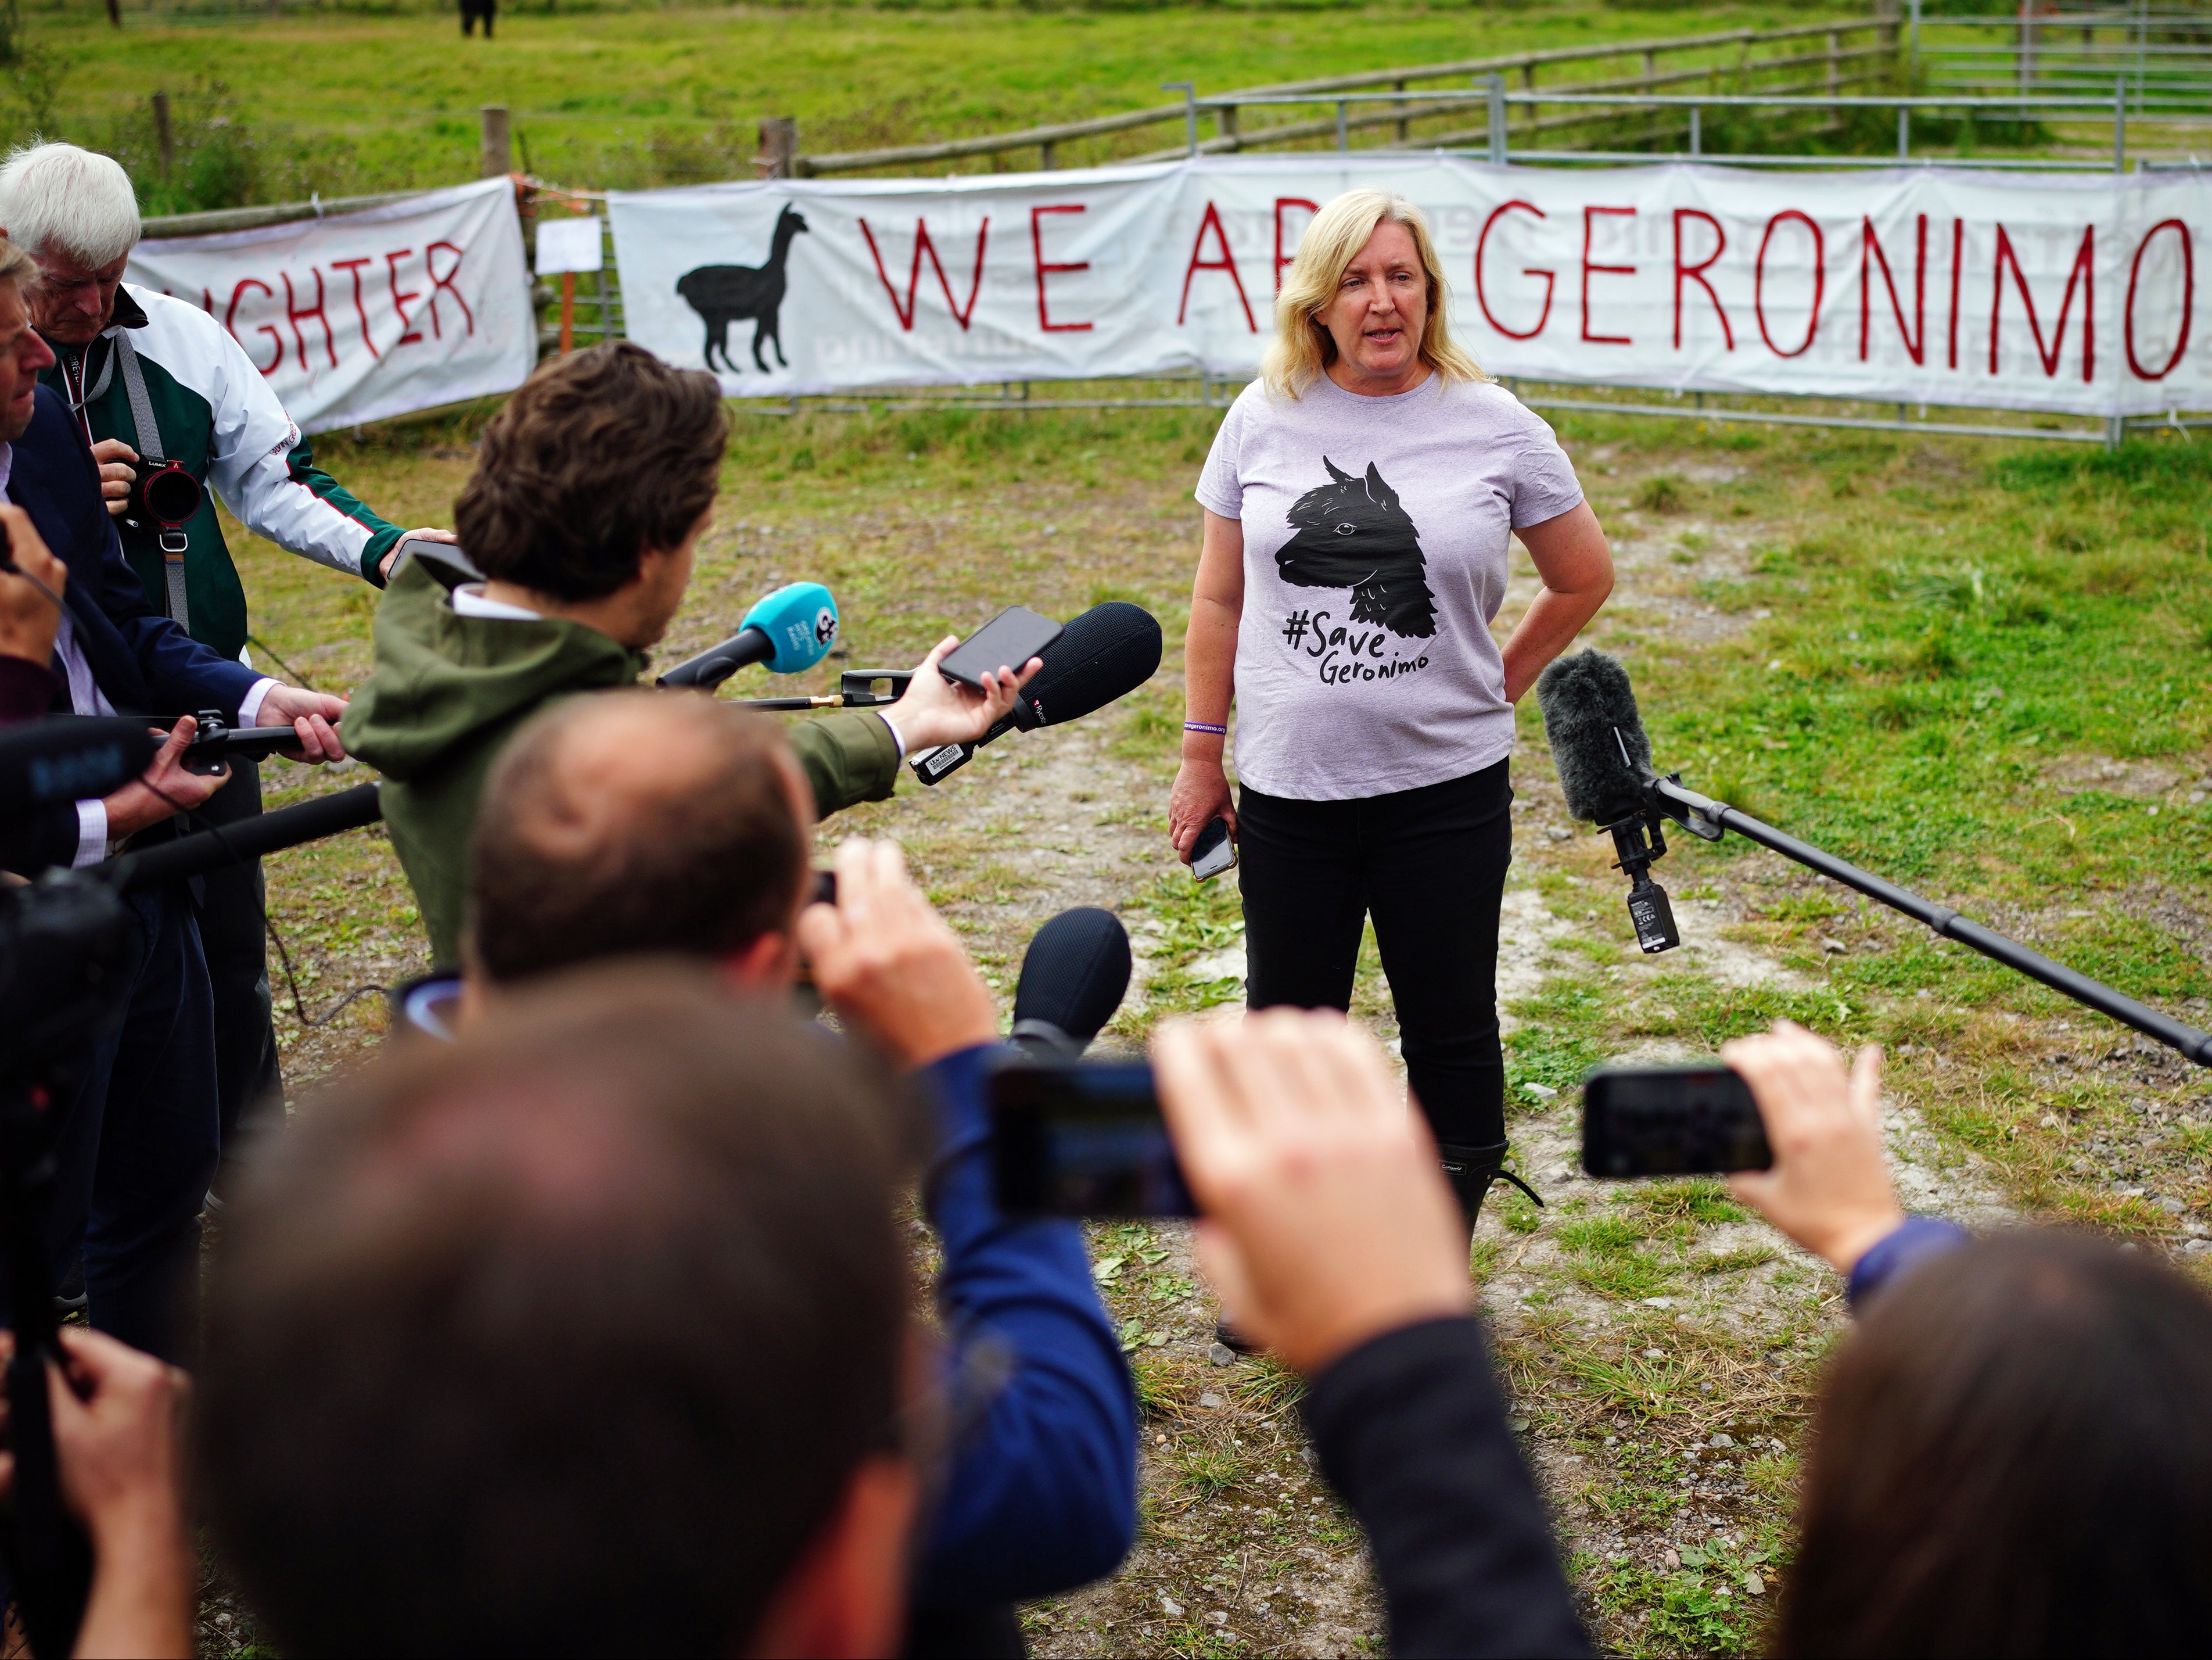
point(723, 295)
point(1353, 533)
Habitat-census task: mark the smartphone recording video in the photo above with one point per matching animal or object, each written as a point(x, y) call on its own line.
point(1083, 1139)
point(1697, 1119)
point(1006, 641)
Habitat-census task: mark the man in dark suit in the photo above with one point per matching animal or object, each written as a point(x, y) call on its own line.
point(139, 1142)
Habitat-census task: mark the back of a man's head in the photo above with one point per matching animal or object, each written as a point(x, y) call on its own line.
point(599, 456)
point(636, 822)
point(59, 199)
point(572, 1335)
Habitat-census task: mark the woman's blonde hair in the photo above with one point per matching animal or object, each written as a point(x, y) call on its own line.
point(1302, 347)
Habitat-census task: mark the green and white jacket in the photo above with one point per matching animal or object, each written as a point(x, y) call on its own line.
point(217, 416)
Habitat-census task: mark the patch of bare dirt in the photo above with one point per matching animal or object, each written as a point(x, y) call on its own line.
point(2150, 780)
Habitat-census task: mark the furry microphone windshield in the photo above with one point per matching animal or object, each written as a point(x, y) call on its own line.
point(1589, 717)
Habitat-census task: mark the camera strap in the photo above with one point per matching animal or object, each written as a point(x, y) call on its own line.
point(151, 448)
point(106, 374)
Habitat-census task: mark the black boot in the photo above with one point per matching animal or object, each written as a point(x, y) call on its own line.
point(1472, 1169)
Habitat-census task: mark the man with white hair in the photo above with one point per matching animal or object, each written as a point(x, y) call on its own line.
point(147, 375)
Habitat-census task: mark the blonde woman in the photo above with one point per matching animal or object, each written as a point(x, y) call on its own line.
point(1359, 502)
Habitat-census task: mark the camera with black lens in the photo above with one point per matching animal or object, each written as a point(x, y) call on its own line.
point(164, 496)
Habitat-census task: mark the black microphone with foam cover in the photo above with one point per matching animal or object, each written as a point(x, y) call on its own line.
point(1604, 763)
point(1074, 976)
point(1105, 654)
point(1597, 738)
point(70, 757)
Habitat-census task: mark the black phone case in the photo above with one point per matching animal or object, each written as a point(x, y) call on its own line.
point(1697, 1119)
point(1007, 641)
point(1207, 844)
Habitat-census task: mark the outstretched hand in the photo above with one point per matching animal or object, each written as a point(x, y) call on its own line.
point(428, 534)
point(885, 960)
point(1829, 1190)
point(935, 711)
point(1327, 1220)
point(313, 718)
point(163, 788)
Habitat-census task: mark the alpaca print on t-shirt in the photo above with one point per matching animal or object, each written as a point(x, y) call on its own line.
point(1354, 533)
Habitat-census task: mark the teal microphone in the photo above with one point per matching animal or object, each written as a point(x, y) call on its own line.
point(790, 630)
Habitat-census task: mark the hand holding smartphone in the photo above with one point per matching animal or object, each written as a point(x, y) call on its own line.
point(1214, 852)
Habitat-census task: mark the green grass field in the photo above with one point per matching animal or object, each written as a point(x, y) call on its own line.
point(345, 102)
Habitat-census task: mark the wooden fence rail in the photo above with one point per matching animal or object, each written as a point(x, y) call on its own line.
point(1232, 133)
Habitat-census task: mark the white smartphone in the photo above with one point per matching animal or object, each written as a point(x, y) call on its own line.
point(1213, 852)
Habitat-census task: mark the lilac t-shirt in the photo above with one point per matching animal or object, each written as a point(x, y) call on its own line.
point(1374, 547)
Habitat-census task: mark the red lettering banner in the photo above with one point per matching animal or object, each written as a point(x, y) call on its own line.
point(1917, 285)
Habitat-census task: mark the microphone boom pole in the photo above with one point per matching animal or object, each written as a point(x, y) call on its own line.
point(1704, 817)
point(1603, 757)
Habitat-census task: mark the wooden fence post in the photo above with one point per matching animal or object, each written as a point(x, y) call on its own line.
point(164, 142)
point(1404, 127)
point(1835, 65)
point(779, 145)
point(498, 159)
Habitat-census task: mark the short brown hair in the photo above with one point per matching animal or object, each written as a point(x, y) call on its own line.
point(599, 456)
point(694, 847)
point(2013, 1455)
point(566, 1337)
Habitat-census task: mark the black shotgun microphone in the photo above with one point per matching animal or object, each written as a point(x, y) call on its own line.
point(1105, 654)
point(250, 838)
point(1604, 763)
point(70, 757)
point(1074, 976)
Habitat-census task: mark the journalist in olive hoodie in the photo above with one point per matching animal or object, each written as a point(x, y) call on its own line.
point(448, 690)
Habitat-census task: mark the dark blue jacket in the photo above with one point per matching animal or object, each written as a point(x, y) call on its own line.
point(1042, 1491)
point(144, 663)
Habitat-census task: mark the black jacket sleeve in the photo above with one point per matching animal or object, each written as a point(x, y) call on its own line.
point(1411, 1432)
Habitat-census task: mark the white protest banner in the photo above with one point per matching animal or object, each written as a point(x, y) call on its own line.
point(2068, 293)
point(365, 315)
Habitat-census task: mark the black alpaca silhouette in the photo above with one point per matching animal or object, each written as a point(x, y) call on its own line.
point(723, 295)
point(1351, 533)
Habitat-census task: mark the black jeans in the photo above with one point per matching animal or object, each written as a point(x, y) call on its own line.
point(1430, 864)
point(234, 936)
point(137, 1144)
